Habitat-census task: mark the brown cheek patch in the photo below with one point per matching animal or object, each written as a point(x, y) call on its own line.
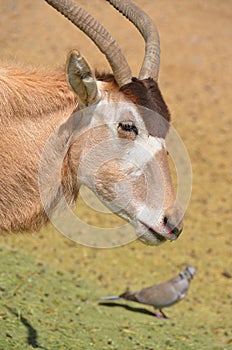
point(146, 93)
point(110, 174)
point(106, 178)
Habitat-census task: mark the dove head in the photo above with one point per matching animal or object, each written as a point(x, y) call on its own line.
point(189, 272)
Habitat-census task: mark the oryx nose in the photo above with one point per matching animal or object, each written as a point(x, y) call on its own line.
point(174, 229)
point(173, 221)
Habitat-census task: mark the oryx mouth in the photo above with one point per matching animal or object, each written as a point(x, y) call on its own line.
point(159, 236)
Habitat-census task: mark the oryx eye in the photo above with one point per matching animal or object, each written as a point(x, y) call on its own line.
point(127, 129)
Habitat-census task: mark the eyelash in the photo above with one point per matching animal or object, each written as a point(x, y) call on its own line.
point(128, 126)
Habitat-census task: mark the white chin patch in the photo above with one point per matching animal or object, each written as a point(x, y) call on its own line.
point(148, 237)
point(150, 240)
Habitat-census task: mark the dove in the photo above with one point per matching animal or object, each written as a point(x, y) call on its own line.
point(160, 295)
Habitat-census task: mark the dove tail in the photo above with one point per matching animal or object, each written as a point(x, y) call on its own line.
point(110, 297)
point(126, 295)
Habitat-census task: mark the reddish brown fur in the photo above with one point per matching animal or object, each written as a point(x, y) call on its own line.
point(32, 105)
point(146, 93)
point(34, 93)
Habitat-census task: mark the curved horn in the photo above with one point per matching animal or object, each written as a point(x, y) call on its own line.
point(150, 66)
point(99, 35)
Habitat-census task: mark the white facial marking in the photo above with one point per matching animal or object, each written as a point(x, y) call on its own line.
point(142, 150)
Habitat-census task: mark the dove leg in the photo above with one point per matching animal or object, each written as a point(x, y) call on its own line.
point(160, 315)
point(163, 314)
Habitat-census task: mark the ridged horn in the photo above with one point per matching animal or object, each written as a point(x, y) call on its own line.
point(150, 66)
point(99, 35)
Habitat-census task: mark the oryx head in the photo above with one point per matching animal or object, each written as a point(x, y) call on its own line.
point(122, 155)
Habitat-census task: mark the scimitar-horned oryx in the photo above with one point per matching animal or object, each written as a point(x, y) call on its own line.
point(37, 103)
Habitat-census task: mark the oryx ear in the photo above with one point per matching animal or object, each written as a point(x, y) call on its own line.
point(81, 79)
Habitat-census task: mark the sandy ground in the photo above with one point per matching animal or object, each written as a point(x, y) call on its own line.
point(195, 79)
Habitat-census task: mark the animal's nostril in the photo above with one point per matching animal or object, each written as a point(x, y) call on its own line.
point(176, 231)
point(165, 220)
point(172, 229)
